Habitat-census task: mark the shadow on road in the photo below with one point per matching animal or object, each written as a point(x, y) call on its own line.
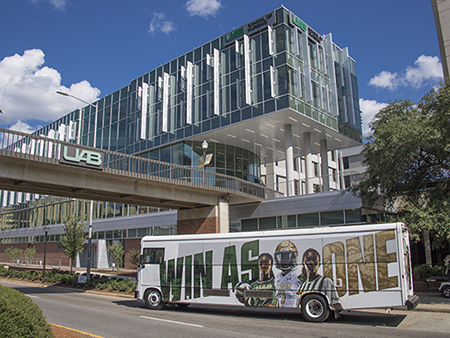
point(359, 318)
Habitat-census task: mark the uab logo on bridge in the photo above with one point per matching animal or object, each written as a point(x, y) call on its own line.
point(82, 157)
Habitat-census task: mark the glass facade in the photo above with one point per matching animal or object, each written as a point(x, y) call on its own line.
point(224, 82)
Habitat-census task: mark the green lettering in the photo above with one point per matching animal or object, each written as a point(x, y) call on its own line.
point(235, 34)
point(188, 278)
point(202, 272)
point(229, 268)
point(299, 23)
point(249, 250)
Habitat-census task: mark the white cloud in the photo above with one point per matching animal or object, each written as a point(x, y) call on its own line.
point(203, 7)
point(385, 80)
point(426, 70)
point(58, 4)
point(159, 23)
point(24, 127)
point(369, 109)
point(28, 90)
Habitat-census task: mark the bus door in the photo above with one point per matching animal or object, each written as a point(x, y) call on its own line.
point(151, 259)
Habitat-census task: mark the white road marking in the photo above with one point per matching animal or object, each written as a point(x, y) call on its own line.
point(31, 296)
point(171, 321)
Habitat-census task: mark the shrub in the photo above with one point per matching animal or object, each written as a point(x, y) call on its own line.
point(422, 272)
point(71, 278)
point(20, 317)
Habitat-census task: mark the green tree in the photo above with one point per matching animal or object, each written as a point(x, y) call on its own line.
point(117, 252)
point(73, 237)
point(29, 253)
point(134, 257)
point(408, 164)
point(13, 253)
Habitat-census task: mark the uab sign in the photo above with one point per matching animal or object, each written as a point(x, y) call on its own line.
point(297, 22)
point(251, 27)
point(82, 157)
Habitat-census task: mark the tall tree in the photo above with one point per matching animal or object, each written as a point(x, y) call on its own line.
point(408, 163)
point(117, 252)
point(73, 237)
point(133, 255)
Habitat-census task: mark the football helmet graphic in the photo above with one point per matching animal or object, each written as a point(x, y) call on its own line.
point(286, 255)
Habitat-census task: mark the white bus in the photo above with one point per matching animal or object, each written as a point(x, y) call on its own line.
point(319, 270)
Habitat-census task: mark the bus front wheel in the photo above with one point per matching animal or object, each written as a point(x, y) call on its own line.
point(314, 308)
point(153, 299)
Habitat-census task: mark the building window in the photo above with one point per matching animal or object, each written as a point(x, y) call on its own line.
point(347, 181)
point(316, 169)
point(249, 224)
point(353, 216)
point(267, 223)
point(332, 217)
point(306, 220)
point(345, 162)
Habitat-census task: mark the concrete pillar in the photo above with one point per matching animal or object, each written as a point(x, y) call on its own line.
point(102, 254)
point(270, 179)
point(341, 171)
point(325, 171)
point(309, 168)
point(223, 216)
point(289, 151)
point(212, 219)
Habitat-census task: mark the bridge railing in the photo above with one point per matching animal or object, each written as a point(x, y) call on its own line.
point(45, 149)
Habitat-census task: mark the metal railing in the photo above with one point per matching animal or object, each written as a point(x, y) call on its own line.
point(48, 150)
point(36, 262)
point(338, 181)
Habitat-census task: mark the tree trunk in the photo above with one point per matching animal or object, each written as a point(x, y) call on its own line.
point(426, 243)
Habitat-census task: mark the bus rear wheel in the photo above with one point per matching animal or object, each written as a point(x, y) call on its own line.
point(314, 308)
point(153, 299)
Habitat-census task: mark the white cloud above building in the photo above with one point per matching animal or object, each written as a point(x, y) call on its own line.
point(159, 23)
point(203, 7)
point(28, 90)
point(57, 4)
point(369, 108)
point(426, 70)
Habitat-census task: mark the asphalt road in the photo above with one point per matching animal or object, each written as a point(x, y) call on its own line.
point(109, 316)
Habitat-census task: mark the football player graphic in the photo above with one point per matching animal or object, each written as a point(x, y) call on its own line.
point(315, 282)
point(289, 280)
point(265, 282)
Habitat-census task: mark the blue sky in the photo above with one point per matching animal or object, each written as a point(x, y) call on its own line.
point(90, 48)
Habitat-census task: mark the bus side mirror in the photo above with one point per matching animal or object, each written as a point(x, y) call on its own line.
point(141, 261)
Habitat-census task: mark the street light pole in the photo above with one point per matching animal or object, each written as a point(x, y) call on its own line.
point(205, 147)
point(89, 258)
point(46, 229)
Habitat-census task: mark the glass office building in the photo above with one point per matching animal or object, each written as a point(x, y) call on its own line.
point(271, 91)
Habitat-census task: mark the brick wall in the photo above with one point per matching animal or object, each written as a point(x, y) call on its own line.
point(131, 243)
point(197, 226)
point(53, 252)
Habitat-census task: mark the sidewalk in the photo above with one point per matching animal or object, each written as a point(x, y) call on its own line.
point(433, 302)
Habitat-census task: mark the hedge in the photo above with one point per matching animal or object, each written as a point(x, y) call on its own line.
point(68, 278)
point(20, 316)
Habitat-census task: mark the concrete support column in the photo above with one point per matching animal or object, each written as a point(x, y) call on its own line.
point(289, 151)
point(102, 254)
point(223, 209)
point(270, 179)
point(211, 219)
point(309, 168)
point(341, 171)
point(325, 171)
